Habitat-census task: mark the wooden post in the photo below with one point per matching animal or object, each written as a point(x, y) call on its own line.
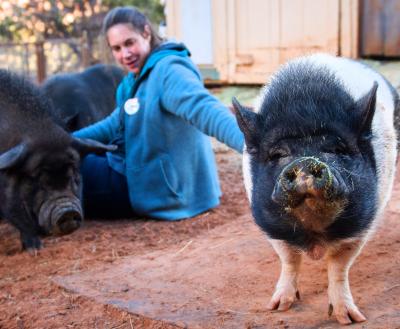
point(26, 68)
point(349, 28)
point(85, 51)
point(40, 60)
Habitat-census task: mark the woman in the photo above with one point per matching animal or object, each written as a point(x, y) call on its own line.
point(164, 167)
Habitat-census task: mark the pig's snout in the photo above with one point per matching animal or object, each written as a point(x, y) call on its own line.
point(304, 177)
point(61, 216)
point(311, 191)
point(66, 220)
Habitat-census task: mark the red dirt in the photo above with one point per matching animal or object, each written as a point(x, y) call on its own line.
point(145, 273)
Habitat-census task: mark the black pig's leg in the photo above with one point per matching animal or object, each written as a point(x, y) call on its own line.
point(286, 288)
point(30, 242)
point(27, 227)
point(340, 259)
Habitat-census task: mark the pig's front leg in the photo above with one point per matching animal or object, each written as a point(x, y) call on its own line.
point(26, 225)
point(341, 301)
point(286, 288)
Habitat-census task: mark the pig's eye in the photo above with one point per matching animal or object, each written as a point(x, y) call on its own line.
point(275, 155)
point(339, 149)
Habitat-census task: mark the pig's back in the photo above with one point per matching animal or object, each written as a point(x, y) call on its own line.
point(24, 112)
point(357, 78)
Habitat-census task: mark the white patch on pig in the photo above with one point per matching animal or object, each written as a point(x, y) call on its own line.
point(260, 98)
point(286, 287)
point(248, 183)
point(340, 257)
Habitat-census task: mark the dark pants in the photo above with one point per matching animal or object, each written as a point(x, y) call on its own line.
point(105, 191)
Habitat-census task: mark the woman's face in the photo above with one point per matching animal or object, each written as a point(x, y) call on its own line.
point(129, 47)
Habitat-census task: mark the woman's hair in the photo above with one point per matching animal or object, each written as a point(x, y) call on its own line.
point(130, 15)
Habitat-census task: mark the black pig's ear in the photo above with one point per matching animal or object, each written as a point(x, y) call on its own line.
point(71, 121)
point(366, 109)
point(85, 146)
point(247, 121)
point(13, 156)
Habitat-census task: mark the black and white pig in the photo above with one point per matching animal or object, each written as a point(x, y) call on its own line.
point(319, 164)
point(39, 164)
point(86, 97)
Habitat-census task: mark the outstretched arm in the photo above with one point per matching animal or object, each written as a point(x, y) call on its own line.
point(185, 96)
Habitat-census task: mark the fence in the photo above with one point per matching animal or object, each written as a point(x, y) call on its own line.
point(45, 58)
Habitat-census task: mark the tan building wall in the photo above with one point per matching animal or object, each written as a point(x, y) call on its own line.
point(251, 38)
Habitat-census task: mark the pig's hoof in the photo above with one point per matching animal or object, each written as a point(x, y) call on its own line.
point(31, 245)
point(283, 299)
point(346, 314)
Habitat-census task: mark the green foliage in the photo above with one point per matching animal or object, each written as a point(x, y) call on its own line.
point(6, 27)
point(31, 19)
point(151, 8)
point(27, 20)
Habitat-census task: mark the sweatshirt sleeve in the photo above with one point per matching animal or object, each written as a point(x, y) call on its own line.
point(106, 130)
point(185, 96)
point(103, 131)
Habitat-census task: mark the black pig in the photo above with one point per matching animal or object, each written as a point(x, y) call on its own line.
point(319, 164)
point(81, 99)
point(39, 164)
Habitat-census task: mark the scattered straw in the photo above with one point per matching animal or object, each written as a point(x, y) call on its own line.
point(186, 245)
point(392, 287)
point(119, 326)
point(222, 243)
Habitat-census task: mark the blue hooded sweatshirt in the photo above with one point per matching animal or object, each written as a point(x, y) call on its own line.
point(160, 124)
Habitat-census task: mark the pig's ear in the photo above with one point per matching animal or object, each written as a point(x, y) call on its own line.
point(366, 109)
point(13, 156)
point(85, 146)
point(71, 122)
point(247, 121)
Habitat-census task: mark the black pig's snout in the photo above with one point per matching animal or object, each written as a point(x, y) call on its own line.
point(304, 177)
point(61, 216)
point(66, 221)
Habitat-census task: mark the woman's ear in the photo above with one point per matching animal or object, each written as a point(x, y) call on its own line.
point(147, 32)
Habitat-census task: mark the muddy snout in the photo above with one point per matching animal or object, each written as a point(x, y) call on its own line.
point(61, 216)
point(305, 178)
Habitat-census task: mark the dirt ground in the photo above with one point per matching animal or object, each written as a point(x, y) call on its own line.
point(29, 298)
point(57, 289)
